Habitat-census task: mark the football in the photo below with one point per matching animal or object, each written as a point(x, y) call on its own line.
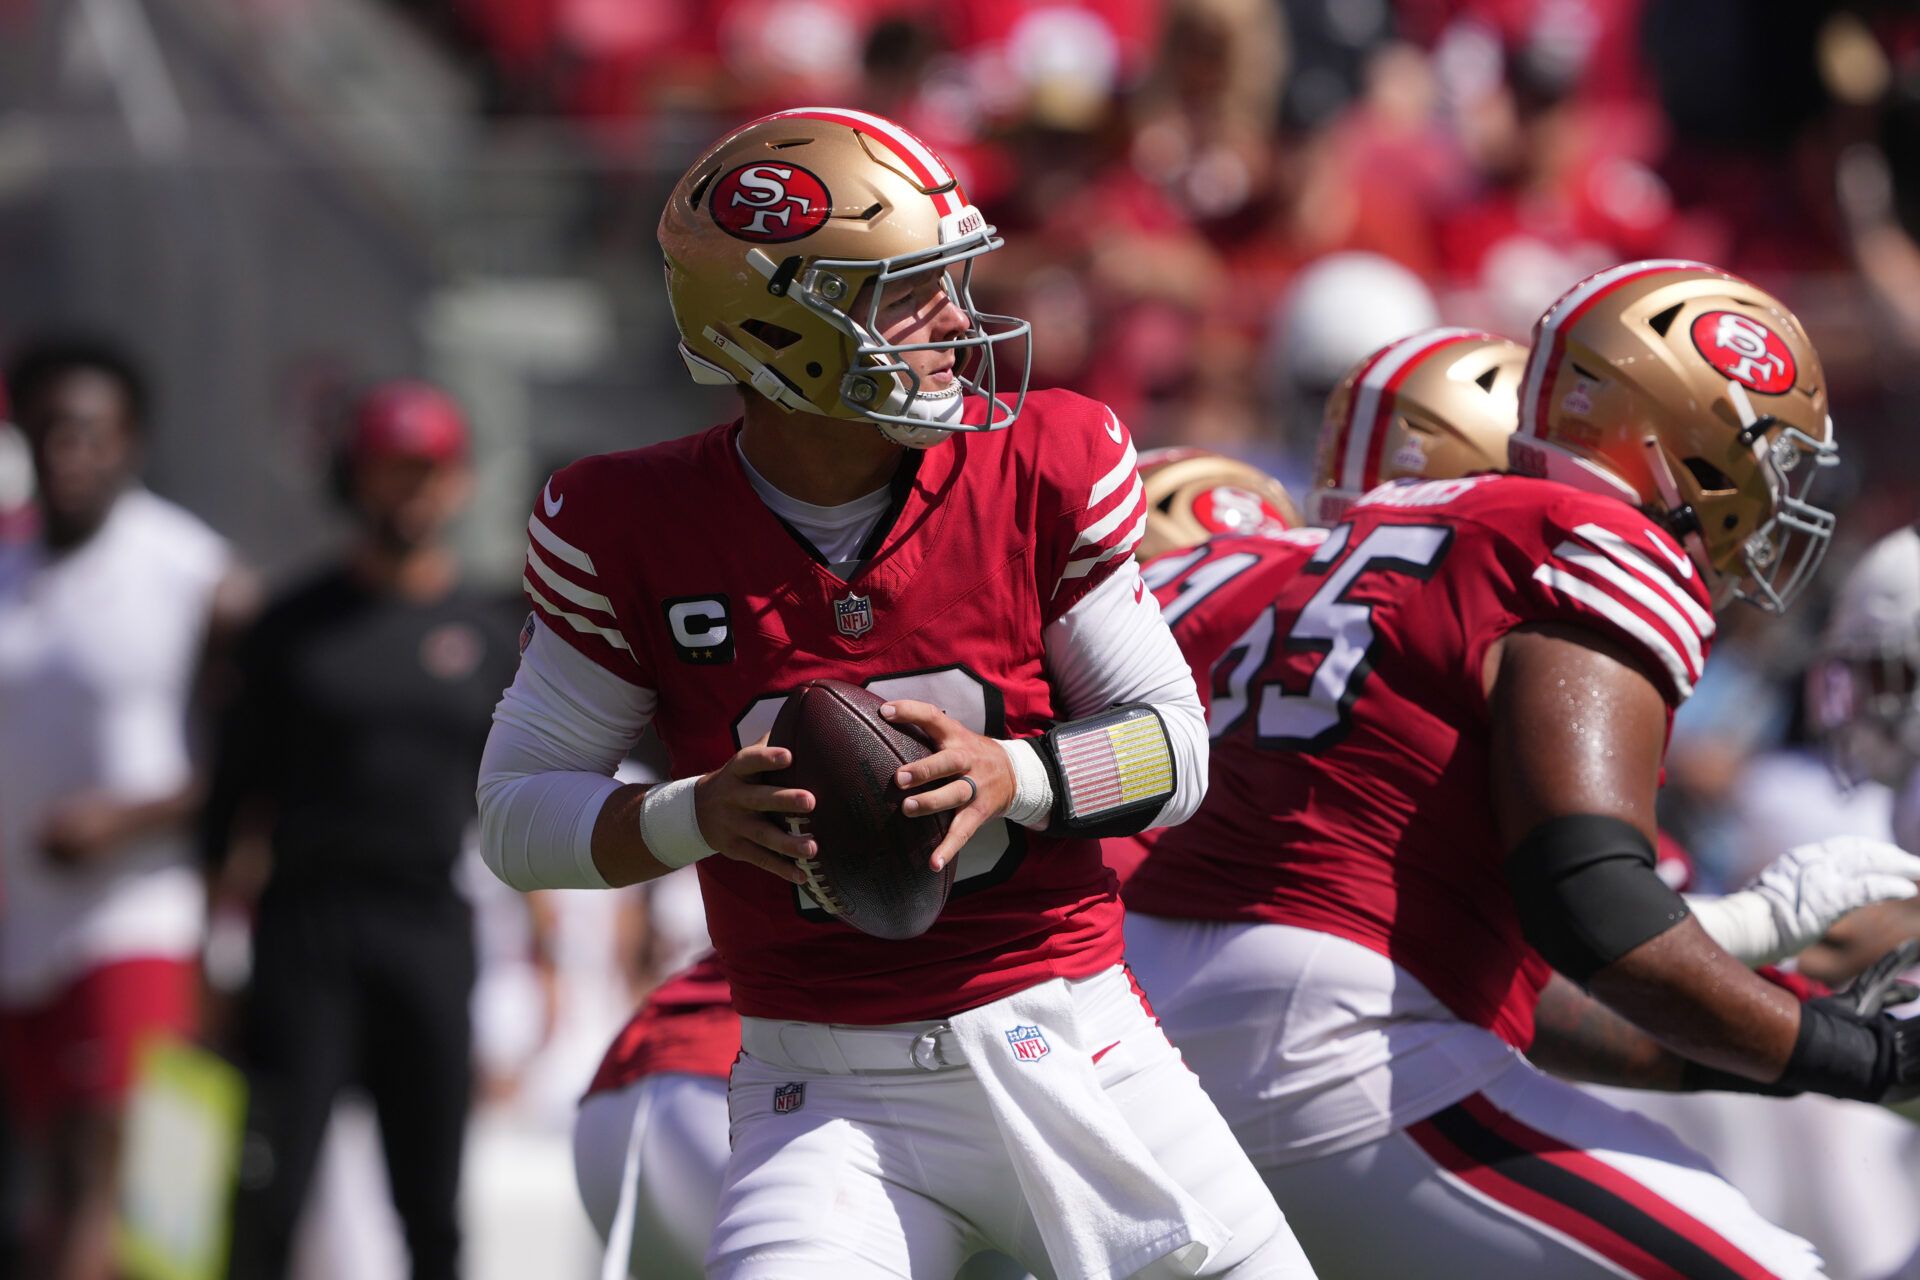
point(871, 865)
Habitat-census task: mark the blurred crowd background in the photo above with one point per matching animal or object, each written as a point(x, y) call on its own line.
point(1211, 207)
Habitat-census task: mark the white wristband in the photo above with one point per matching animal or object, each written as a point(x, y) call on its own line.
point(1742, 924)
point(670, 825)
point(1032, 803)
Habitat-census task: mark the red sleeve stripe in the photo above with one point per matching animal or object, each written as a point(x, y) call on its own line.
point(583, 625)
point(562, 550)
point(928, 169)
point(1106, 484)
point(1621, 615)
point(1096, 533)
point(566, 590)
point(1677, 562)
point(1371, 407)
point(1653, 602)
point(1080, 568)
point(1549, 335)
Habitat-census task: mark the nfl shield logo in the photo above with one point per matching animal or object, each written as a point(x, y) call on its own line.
point(1028, 1044)
point(788, 1097)
point(854, 615)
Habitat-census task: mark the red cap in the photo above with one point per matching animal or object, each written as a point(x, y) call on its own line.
point(408, 420)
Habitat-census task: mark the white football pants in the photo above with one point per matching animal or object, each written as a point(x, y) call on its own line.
point(845, 1175)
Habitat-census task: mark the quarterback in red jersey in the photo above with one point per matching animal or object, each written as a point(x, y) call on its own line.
point(876, 516)
point(1434, 775)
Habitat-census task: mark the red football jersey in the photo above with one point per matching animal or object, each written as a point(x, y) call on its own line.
point(1210, 594)
point(687, 1024)
point(1350, 789)
point(665, 567)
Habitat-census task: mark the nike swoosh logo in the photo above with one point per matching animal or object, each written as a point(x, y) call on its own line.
point(1113, 426)
point(551, 503)
point(1682, 564)
point(1139, 592)
point(1104, 1052)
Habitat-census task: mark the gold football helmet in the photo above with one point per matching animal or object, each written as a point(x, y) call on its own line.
point(1698, 398)
point(1433, 405)
point(1193, 494)
point(783, 244)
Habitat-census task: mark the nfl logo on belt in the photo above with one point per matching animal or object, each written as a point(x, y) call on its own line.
point(788, 1097)
point(1028, 1044)
point(854, 615)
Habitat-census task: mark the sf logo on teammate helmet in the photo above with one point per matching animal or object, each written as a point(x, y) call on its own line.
point(770, 203)
point(1745, 350)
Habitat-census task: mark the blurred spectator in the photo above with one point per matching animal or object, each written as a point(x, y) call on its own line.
point(105, 618)
point(355, 736)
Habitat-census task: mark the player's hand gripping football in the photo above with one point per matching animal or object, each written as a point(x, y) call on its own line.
point(959, 753)
point(741, 817)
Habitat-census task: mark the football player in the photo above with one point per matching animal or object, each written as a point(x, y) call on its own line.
point(876, 515)
point(1450, 722)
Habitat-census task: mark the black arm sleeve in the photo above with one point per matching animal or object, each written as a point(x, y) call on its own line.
point(1586, 892)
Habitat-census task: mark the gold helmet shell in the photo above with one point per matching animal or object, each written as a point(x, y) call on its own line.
point(785, 240)
point(1697, 397)
point(1433, 405)
point(1193, 494)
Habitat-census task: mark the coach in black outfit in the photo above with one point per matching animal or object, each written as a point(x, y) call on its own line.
point(356, 732)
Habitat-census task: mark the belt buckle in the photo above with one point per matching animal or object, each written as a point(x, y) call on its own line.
point(927, 1052)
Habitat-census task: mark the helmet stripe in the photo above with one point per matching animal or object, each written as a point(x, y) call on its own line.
point(1549, 340)
point(1372, 403)
point(927, 168)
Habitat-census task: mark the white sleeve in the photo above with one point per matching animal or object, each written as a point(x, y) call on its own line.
point(560, 731)
point(1113, 647)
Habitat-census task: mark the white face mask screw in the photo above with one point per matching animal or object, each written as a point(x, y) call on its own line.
point(832, 288)
point(860, 391)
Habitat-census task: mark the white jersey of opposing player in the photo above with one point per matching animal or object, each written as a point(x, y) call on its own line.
point(98, 652)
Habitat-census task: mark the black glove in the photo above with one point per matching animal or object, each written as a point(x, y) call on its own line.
point(1848, 1046)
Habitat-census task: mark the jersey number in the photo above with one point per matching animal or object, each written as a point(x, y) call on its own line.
point(995, 849)
point(1329, 624)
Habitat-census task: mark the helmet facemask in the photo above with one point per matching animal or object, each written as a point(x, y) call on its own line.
point(880, 385)
point(1769, 564)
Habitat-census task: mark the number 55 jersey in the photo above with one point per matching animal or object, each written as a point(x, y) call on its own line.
point(665, 567)
point(1350, 790)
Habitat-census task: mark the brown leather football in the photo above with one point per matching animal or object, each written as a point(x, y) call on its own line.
point(871, 868)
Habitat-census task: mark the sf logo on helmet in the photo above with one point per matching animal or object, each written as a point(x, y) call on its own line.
point(1745, 350)
point(770, 203)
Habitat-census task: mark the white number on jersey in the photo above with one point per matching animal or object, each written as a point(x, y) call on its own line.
point(982, 861)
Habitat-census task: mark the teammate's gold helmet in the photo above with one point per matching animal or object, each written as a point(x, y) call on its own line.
point(1698, 398)
point(770, 239)
point(1433, 405)
point(1193, 494)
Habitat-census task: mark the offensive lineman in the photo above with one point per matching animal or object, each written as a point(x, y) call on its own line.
point(871, 518)
point(1520, 641)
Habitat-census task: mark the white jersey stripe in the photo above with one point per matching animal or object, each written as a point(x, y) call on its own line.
point(1643, 564)
point(1097, 532)
point(585, 626)
point(1107, 483)
point(563, 550)
point(1373, 385)
point(578, 595)
point(1598, 565)
point(1609, 607)
point(1081, 568)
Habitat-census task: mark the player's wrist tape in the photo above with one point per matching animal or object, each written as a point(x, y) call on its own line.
point(1032, 803)
point(1742, 923)
point(1844, 1055)
point(670, 824)
point(1111, 772)
point(1586, 892)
